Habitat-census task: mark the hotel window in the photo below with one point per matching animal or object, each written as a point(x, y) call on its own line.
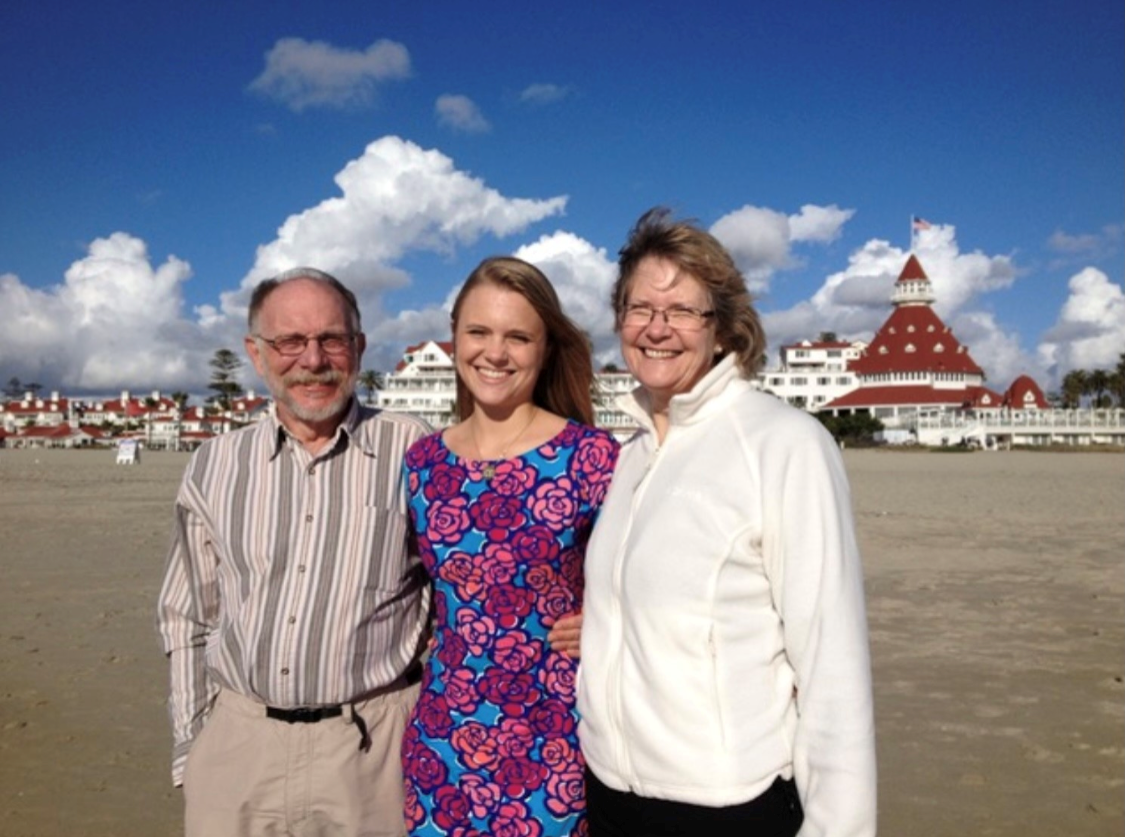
point(823, 382)
point(800, 382)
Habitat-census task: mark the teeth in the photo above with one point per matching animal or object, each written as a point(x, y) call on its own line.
point(658, 354)
point(495, 374)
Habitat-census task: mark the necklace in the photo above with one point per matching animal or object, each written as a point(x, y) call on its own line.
point(489, 469)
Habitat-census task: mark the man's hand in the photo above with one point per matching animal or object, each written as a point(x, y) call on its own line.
point(566, 635)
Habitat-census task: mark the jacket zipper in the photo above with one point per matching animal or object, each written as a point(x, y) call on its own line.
point(614, 696)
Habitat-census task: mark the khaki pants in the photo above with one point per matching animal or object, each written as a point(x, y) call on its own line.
point(252, 776)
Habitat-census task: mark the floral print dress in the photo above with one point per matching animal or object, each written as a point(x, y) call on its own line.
point(492, 747)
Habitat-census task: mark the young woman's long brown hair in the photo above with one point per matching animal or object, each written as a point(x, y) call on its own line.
point(567, 376)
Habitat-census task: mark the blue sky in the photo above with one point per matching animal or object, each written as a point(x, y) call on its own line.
point(157, 159)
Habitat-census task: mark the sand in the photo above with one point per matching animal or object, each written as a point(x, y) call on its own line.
point(997, 612)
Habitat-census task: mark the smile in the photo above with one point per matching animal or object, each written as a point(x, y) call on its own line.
point(492, 374)
point(659, 354)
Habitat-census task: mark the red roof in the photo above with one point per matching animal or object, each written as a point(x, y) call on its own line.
point(1025, 394)
point(914, 339)
point(48, 405)
point(62, 431)
point(912, 271)
point(890, 396)
point(445, 345)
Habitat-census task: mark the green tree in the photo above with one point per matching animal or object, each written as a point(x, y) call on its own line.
point(224, 379)
point(1073, 388)
point(14, 389)
point(369, 380)
point(1117, 381)
point(852, 427)
point(827, 337)
point(180, 399)
point(1097, 382)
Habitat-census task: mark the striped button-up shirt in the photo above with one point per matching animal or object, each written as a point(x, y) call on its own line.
point(289, 578)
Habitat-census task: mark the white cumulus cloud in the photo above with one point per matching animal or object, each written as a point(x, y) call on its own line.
point(115, 320)
point(303, 74)
point(1090, 330)
point(761, 240)
point(544, 94)
point(461, 114)
point(118, 321)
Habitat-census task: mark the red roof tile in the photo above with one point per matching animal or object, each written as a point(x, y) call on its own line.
point(914, 339)
point(912, 271)
point(887, 396)
point(1024, 394)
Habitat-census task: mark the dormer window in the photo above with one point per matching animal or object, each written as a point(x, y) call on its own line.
point(938, 347)
point(882, 350)
point(910, 348)
point(930, 328)
point(910, 329)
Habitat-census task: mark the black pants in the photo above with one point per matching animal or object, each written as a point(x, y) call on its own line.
point(776, 813)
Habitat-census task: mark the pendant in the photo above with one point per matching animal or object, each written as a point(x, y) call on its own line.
point(489, 471)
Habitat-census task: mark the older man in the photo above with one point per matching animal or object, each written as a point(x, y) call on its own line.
point(292, 610)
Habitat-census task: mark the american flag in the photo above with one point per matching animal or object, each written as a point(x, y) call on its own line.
point(921, 224)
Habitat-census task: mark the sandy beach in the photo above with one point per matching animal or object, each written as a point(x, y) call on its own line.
point(997, 610)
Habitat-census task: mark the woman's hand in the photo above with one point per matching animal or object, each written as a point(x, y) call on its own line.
point(566, 635)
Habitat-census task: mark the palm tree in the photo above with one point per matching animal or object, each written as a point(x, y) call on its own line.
point(370, 380)
point(1117, 381)
point(1073, 388)
point(1097, 382)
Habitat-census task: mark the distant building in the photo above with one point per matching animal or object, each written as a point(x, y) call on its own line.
point(914, 364)
point(812, 373)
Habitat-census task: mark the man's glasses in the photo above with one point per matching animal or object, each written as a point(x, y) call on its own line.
point(679, 317)
point(293, 345)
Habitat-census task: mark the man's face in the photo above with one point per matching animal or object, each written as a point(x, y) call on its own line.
point(311, 389)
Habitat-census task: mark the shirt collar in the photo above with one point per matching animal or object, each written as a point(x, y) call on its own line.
point(348, 426)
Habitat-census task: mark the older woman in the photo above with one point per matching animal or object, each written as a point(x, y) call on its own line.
point(726, 681)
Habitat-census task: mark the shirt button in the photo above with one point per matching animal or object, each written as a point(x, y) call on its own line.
point(301, 568)
point(308, 518)
point(292, 619)
point(285, 671)
point(312, 470)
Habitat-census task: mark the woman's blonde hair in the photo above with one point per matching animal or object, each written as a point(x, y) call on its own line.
point(567, 375)
point(738, 329)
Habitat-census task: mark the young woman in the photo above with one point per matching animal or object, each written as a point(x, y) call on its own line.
point(502, 505)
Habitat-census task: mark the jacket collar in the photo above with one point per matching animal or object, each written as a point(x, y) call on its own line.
point(698, 404)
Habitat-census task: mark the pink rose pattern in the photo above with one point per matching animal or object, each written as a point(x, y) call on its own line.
point(492, 746)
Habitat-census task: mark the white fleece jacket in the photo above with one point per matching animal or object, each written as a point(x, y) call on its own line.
point(724, 640)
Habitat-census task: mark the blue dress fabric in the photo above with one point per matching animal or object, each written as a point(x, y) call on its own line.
point(492, 746)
